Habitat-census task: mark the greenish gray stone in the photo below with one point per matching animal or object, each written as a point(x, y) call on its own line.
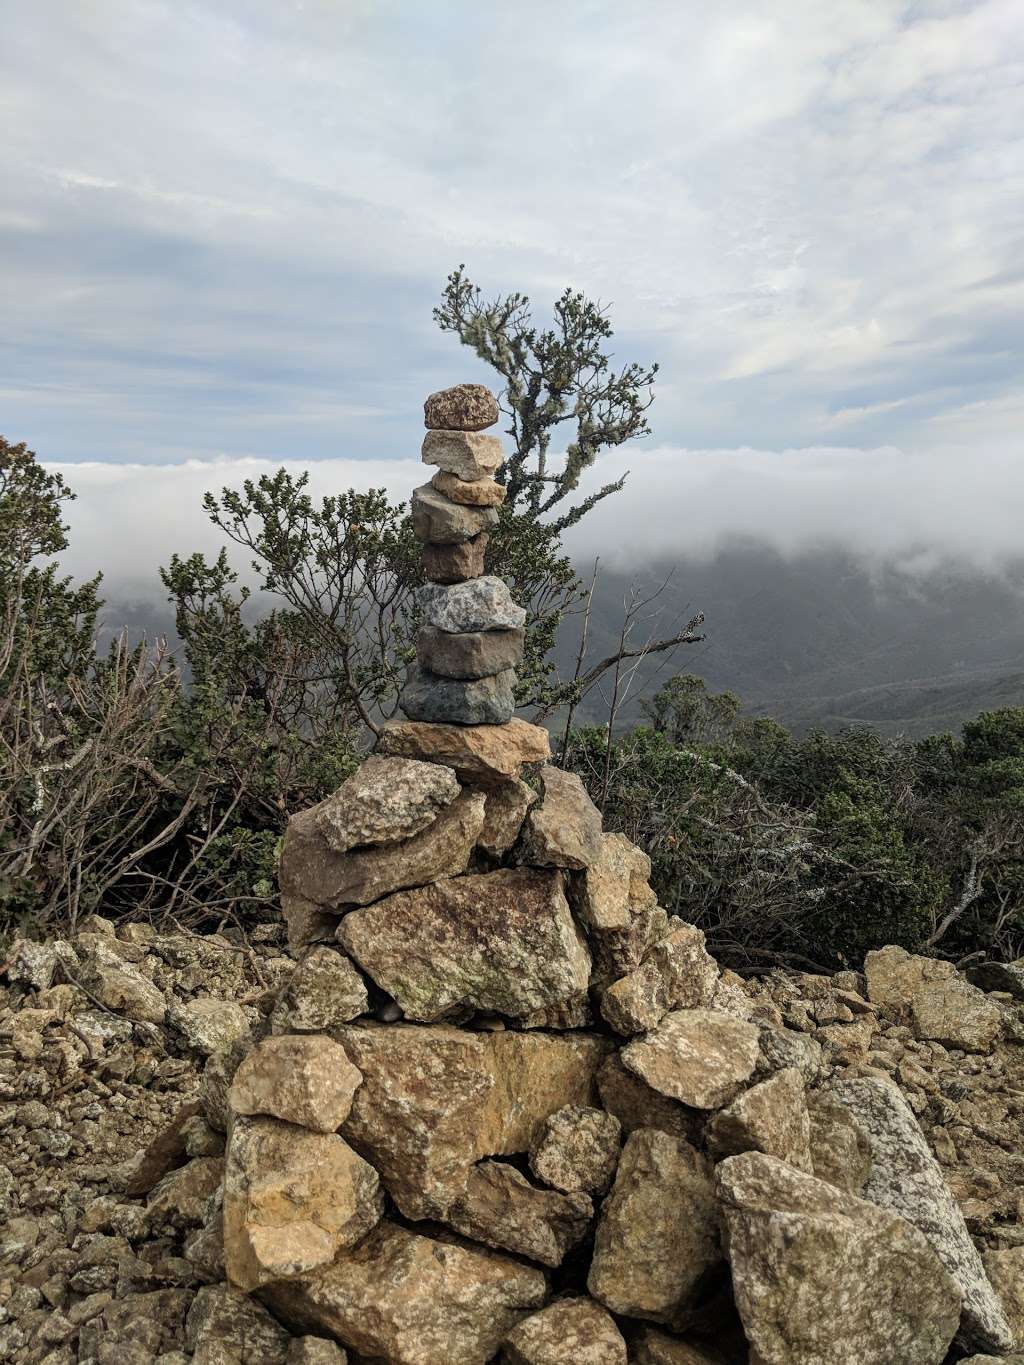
point(455, 701)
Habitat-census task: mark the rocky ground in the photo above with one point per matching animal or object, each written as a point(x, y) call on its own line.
point(110, 1168)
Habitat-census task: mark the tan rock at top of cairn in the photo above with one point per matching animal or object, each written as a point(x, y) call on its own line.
point(463, 407)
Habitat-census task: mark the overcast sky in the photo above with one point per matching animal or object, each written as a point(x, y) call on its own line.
point(223, 225)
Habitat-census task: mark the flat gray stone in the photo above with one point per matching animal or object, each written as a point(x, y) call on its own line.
point(459, 701)
point(440, 521)
point(472, 654)
point(480, 604)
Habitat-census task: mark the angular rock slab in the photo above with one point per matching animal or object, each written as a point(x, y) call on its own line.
point(500, 1208)
point(840, 1150)
point(481, 604)
point(463, 453)
point(942, 1006)
point(486, 754)
point(607, 894)
point(429, 697)
point(436, 1100)
point(463, 407)
point(501, 941)
point(636, 1105)
point(564, 828)
point(676, 972)
point(504, 814)
point(658, 1235)
point(907, 1179)
point(410, 1300)
point(300, 1078)
point(385, 801)
point(323, 990)
point(578, 1150)
point(702, 1058)
point(473, 492)
point(440, 521)
point(823, 1278)
point(770, 1117)
point(292, 1200)
point(473, 654)
point(571, 1330)
point(1005, 1270)
point(314, 872)
point(455, 563)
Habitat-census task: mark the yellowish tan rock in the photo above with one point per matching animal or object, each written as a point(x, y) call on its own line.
point(569, 1332)
point(478, 753)
point(770, 1117)
point(301, 1078)
point(702, 1058)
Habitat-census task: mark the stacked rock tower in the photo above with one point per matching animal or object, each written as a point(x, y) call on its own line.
point(507, 1108)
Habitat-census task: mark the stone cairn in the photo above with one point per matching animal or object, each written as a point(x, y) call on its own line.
point(507, 1107)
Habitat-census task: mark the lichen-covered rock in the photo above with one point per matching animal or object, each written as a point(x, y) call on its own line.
point(120, 986)
point(180, 1198)
point(473, 654)
point(227, 1327)
point(500, 1208)
point(781, 1048)
point(455, 563)
point(463, 407)
point(459, 701)
point(462, 453)
point(218, 1073)
point(324, 989)
point(676, 972)
point(840, 1150)
point(305, 921)
point(301, 1078)
point(941, 1005)
point(658, 1234)
point(481, 604)
point(907, 1179)
point(209, 1025)
point(315, 1351)
point(702, 1058)
point(564, 828)
point(504, 814)
point(385, 801)
point(309, 868)
point(568, 1332)
point(436, 1100)
point(617, 952)
point(473, 492)
point(503, 941)
point(607, 893)
point(411, 1300)
point(577, 1150)
point(487, 754)
point(441, 521)
point(770, 1117)
point(1005, 1270)
point(292, 1200)
point(636, 1105)
point(824, 1278)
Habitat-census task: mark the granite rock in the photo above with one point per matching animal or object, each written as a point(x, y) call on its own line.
point(940, 1004)
point(840, 1150)
point(303, 1078)
point(564, 828)
point(463, 453)
point(473, 492)
point(702, 1058)
point(385, 801)
point(504, 814)
point(457, 701)
point(323, 990)
point(577, 1150)
point(486, 754)
point(473, 654)
point(463, 407)
point(463, 608)
point(455, 563)
point(567, 1332)
point(440, 521)
point(500, 1208)
point(676, 972)
point(607, 894)
point(770, 1117)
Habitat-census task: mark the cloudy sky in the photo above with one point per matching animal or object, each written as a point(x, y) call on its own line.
point(223, 225)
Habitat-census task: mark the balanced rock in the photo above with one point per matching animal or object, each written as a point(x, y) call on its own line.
point(385, 801)
point(474, 654)
point(564, 828)
point(301, 1078)
point(771, 1117)
point(313, 871)
point(455, 563)
point(567, 1332)
point(676, 972)
point(943, 1007)
point(465, 454)
point(410, 1300)
point(500, 1208)
point(323, 990)
point(906, 1179)
point(474, 492)
point(481, 604)
point(504, 814)
point(463, 407)
point(577, 1150)
point(457, 701)
point(658, 1234)
point(292, 1200)
point(441, 521)
point(436, 1100)
point(503, 941)
point(824, 1278)
point(701, 1057)
point(608, 892)
point(840, 1150)
point(488, 754)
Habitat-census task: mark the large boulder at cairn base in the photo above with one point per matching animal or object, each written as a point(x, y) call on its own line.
point(410, 1300)
point(436, 1100)
point(824, 1278)
point(310, 869)
point(504, 941)
point(486, 754)
point(463, 407)
point(906, 1178)
point(385, 801)
point(459, 701)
